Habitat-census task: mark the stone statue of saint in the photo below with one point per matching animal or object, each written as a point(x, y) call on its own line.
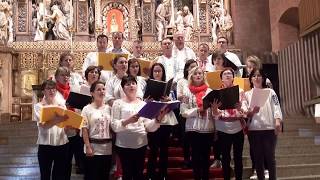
point(226, 24)
point(187, 22)
point(6, 24)
point(163, 14)
point(68, 9)
point(60, 28)
point(216, 21)
point(179, 22)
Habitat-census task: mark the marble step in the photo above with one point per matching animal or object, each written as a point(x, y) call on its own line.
point(292, 149)
point(19, 170)
point(36, 177)
point(308, 177)
point(29, 159)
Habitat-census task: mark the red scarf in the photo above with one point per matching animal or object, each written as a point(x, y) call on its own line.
point(199, 92)
point(64, 89)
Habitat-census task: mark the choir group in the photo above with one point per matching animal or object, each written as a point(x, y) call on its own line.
point(113, 139)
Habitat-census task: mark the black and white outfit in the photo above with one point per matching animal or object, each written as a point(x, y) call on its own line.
point(262, 134)
point(97, 122)
point(52, 149)
point(199, 130)
point(131, 140)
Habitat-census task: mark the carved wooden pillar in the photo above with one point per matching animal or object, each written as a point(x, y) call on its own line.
point(82, 29)
point(148, 20)
point(21, 19)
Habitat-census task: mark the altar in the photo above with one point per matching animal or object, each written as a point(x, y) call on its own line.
point(35, 32)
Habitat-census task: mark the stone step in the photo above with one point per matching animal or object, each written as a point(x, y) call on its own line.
point(19, 132)
point(300, 177)
point(291, 170)
point(18, 125)
point(289, 159)
point(19, 170)
point(29, 159)
point(292, 149)
point(13, 149)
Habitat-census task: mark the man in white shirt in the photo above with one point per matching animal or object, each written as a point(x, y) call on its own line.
point(181, 53)
point(117, 40)
point(222, 44)
point(167, 59)
point(92, 57)
point(203, 60)
point(137, 49)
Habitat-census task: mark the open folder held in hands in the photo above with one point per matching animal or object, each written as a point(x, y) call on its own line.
point(49, 112)
point(229, 97)
point(152, 109)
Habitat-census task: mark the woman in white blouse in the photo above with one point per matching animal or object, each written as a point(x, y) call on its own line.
point(96, 134)
point(113, 86)
point(131, 130)
point(134, 70)
point(92, 74)
point(159, 140)
point(199, 123)
point(264, 125)
point(230, 125)
point(52, 140)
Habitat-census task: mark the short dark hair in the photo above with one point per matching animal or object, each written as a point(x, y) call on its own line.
point(186, 67)
point(116, 33)
point(91, 68)
point(263, 75)
point(94, 85)
point(227, 69)
point(217, 54)
point(115, 60)
point(48, 83)
point(131, 61)
point(101, 36)
point(127, 79)
point(163, 71)
point(137, 41)
point(204, 44)
point(60, 70)
point(166, 39)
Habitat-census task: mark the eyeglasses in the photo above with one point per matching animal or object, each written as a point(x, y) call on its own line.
point(50, 88)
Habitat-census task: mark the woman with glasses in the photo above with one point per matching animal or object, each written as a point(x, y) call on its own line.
point(264, 126)
point(52, 140)
point(230, 126)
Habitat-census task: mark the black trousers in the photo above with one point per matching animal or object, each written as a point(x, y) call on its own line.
point(132, 162)
point(253, 164)
point(263, 146)
point(158, 141)
point(226, 142)
point(200, 145)
point(56, 155)
point(76, 150)
point(97, 167)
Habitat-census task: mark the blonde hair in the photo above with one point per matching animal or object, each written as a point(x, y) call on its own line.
point(254, 60)
point(191, 73)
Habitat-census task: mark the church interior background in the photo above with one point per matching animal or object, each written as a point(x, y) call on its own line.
point(34, 32)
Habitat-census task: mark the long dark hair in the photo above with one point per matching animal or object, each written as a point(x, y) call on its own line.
point(186, 67)
point(263, 75)
point(163, 71)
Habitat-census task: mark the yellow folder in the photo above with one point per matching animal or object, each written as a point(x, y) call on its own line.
point(105, 59)
point(74, 119)
point(145, 66)
point(243, 83)
point(214, 79)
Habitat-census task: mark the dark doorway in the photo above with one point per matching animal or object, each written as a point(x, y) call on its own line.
point(272, 73)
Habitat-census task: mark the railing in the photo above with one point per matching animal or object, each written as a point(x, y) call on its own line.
point(299, 75)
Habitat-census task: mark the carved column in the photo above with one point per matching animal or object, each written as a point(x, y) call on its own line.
point(148, 20)
point(21, 19)
point(82, 12)
point(6, 77)
point(98, 22)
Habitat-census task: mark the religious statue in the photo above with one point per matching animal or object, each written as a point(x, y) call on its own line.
point(113, 24)
point(163, 15)
point(226, 24)
point(216, 21)
point(60, 23)
point(68, 9)
point(187, 22)
point(179, 22)
point(6, 24)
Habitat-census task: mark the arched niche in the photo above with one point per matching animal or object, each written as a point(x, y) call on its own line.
point(115, 17)
point(288, 27)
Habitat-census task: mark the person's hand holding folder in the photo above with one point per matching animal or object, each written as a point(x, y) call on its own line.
point(131, 119)
point(215, 107)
